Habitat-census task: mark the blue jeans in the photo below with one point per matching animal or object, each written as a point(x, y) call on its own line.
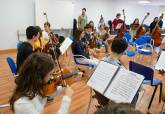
point(103, 42)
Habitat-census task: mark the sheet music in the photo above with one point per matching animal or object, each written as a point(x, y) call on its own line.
point(160, 65)
point(124, 86)
point(119, 25)
point(65, 45)
point(102, 76)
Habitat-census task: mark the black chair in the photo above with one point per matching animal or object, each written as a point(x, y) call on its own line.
point(148, 73)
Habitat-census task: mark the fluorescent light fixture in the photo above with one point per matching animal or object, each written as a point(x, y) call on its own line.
point(144, 2)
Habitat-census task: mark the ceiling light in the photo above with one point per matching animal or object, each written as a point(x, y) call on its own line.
point(144, 2)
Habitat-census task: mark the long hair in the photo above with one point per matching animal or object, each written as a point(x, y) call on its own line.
point(76, 38)
point(30, 81)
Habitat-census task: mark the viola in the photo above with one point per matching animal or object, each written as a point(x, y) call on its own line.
point(123, 28)
point(156, 33)
point(141, 29)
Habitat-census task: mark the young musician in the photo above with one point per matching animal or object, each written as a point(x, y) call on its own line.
point(46, 31)
point(153, 24)
point(118, 47)
point(135, 24)
point(104, 35)
point(88, 32)
point(116, 22)
point(41, 42)
point(79, 47)
point(101, 22)
point(82, 19)
point(26, 48)
point(91, 23)
point(117, 108)
point(161, 22)
point(29, 96)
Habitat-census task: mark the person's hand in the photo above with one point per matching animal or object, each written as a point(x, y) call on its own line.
point(68, 91)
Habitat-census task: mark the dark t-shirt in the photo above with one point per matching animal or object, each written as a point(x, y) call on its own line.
point(24, 50)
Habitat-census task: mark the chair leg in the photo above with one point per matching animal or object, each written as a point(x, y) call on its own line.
point(160, 95)
point(152, 97)
point(162, 108)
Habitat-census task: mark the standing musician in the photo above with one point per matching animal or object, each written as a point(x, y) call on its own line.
point(135, 25)
point(82, 19)
point(27, 48)
point(155, 30)
point(161, 22)
point(117, 22)
point(29, 96)
point(46, 31)
point(153, 24)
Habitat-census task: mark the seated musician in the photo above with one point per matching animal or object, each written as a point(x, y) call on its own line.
point(88, 33)
point(117, 108)
point(41, 42)
point(91, 23)
point(29, 96)
point(117, 22)
point(80, 48)
point(26, 48)
point(118, 47)
point(104, 35)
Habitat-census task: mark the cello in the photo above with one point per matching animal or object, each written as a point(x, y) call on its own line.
point(123, 28)
point(156, 33)
point(141, 29)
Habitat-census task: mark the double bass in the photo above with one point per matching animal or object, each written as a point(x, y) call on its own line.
point(141, 29)
point(156, 33)
point(123, 28)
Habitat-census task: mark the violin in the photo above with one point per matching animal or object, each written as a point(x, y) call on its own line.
point(156, 33)
point(59, 79)
point(123, 28)
point(141, 29)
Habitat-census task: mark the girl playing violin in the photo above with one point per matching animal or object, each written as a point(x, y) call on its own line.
point(29, 96)
point(79, 47)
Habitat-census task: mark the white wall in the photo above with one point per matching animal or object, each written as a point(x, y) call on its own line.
point(15, 14)
point(110, 8)
point(18, 14)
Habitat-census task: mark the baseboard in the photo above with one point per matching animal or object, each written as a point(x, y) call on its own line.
point(8, 51)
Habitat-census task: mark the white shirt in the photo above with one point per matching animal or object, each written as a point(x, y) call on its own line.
point(45, 35)
point(36, 106)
